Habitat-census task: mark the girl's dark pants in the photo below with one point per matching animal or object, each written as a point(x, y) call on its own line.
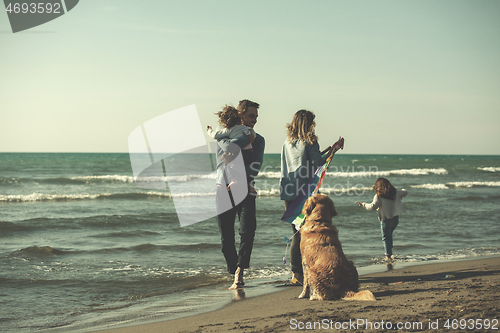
point(295, 256)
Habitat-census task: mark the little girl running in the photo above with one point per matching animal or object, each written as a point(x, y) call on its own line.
point(387, 201)
point(230, 127)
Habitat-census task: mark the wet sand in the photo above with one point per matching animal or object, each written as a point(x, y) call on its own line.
point(441, 297)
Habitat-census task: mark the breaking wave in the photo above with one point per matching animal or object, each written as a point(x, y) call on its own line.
point(447, 186)
point(349, 172)
point(34, 197)
point(490, 169)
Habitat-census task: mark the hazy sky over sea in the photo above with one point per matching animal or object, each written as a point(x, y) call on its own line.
point(392, 77)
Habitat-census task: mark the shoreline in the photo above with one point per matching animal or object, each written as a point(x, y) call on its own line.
point(424, 292)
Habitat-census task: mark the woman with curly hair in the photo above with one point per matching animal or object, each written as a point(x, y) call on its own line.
point(300, 157)
point(387, 201)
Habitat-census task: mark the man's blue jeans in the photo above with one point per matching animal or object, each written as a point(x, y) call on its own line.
point(387, 227)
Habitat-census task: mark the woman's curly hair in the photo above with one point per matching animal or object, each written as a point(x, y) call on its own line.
point(384, 189)
point(228, 117)
point(302, 127)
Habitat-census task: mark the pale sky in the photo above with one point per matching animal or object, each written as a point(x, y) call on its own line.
point(392, 77)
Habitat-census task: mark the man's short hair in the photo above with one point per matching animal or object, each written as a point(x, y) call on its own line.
point(243, 105)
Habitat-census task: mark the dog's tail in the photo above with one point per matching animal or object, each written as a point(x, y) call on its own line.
point(364, 295)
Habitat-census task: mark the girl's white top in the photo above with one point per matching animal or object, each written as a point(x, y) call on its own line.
point(387, 209)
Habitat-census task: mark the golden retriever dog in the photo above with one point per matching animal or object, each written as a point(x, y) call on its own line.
point(328, 274)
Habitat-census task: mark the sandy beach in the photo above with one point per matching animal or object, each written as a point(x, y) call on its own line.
point(442, 297)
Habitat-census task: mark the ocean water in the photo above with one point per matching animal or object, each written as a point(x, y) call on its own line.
point(83, 247)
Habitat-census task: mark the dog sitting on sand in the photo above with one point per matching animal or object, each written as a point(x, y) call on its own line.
point(328, 274)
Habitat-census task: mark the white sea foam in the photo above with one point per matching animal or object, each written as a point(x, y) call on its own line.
point(490, 169)
point(49, 197)
point(455, 184)
point(110, 178)
point(193, 194)
point(416, 172)
point(355, 174)
point(158, 194)
point(431, 186)
point(264, 192)
point(373, 172)
point(131, 179)
point(186, 178)
point(70, 197)
point(335, 172)
point(364, 172)
point(471, 184)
